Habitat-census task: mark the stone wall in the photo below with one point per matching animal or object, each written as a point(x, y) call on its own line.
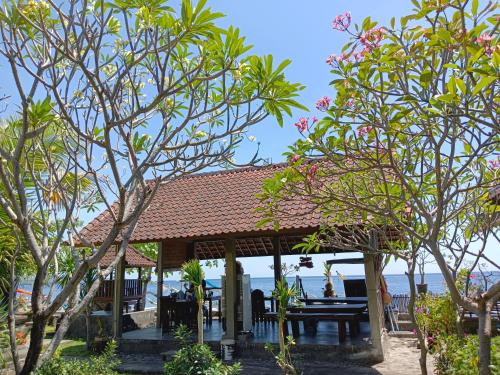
point(101, 323)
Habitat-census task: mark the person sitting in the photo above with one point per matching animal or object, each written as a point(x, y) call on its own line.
point(190, 295)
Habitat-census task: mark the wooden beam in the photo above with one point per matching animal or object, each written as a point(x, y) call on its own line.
point(118, 292)
point(159, 283)
point(276, 258)
point(346, 261)
point(230, 289)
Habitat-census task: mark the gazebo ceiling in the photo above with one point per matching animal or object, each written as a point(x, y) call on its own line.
point(248, 247)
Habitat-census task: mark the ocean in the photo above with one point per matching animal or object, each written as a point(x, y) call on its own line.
point(313, 285)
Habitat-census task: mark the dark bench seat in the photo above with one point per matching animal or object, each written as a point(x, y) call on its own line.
point(341, 318)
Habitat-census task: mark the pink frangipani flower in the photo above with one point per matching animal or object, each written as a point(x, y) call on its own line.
point(485, 42)
point(364, 130)
point(342, 21)
point(323, 103)
point(302, 124)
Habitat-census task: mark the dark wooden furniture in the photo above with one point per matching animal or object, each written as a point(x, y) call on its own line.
point(357, 308)
point(258, 306)
point(355, 288)
point(334, 300)
point(341, 318)
point(167, 313)
point(186, 313)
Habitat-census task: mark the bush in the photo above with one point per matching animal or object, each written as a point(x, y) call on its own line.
point(454, 356)
point(435, 315)
point(103, 364)
point(196, 359)
point(200, 360)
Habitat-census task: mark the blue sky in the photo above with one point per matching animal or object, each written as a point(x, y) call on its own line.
point(300, 31)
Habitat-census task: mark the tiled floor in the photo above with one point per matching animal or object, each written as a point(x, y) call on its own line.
point(327, 334)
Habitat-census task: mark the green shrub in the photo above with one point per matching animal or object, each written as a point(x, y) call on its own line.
point(454, 356)
point(196, 359)
point(103, 364)
point(436, 315)
point(200, 360)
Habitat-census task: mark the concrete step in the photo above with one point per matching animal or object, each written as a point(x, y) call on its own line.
point(406, 325)
point(404, 316)
point(402, 334)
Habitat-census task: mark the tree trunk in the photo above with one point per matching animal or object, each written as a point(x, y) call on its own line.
point(145, 291)
point(87, 329)
point(484, 335)
point(200, 321)
point(281, 335)
point(36, 344)
point(411, 310)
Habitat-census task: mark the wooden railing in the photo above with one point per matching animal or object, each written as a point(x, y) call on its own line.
point(132, 288)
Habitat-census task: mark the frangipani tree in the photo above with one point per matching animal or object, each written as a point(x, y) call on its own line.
point(410, 141)
point(139, 92)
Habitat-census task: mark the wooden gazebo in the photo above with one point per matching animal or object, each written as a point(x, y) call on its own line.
point(212, 216)
point(133, 289)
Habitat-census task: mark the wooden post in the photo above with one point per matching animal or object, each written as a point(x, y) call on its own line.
point(190, 253)
point(277, 258)
point(159, 284)
point(230, 289)
point(374, 300)
point(118, 292)
point(140, 302)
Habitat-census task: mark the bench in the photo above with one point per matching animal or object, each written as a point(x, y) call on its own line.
point(341, 318)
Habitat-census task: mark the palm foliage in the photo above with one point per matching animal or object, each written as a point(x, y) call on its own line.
point(193, 273)
point(4, 336)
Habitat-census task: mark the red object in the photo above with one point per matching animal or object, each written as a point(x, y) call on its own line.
point(23, 291)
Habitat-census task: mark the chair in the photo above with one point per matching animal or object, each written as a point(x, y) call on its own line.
point(167, 313)
point(186, 312)
point(355, 288)
point(258, 306)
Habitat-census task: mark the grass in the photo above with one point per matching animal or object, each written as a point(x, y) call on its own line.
point(68, 348)
point(49, 331)
point(74, 348)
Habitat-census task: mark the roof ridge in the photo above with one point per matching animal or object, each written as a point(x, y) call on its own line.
point(235, 170)
point(228, 171)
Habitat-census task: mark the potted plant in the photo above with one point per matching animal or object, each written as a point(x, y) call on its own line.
point(329, 290)
point(421, 261)
point(193, 273)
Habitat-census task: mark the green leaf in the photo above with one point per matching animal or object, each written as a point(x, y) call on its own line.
point(484, 82)
point(475, 4)
point(461, 85)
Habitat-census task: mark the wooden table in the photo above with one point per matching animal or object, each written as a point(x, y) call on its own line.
point(334, 300)
point(341, 318)
point(335, 308)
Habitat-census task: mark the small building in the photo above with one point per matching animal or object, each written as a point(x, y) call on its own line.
point(213, 216)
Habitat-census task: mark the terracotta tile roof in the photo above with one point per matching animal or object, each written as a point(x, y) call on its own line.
point(209, 205)
point(133, 258)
